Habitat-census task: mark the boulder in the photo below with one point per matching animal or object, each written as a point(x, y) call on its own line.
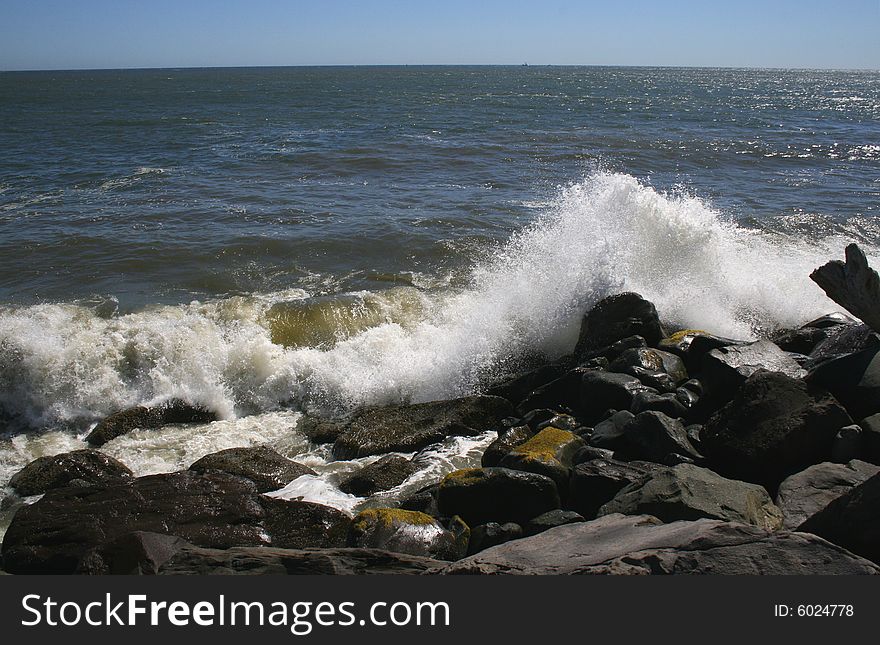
point(653, 436)
point(691, 345)
point(726, 368)
point(268, 469)
point(641, 544)
point(516, 389)
point(645, 361)
point(87, 466)
point(870, 444)
point(423, 500)
point(551, 452)
point(405, 428)
point(799, 341)
point(831, 320)
point(617, 317)
point(688, 492)
point(774, 427)
point(804, 494)
point(400, 531)
point(669, 404)
point(847, 444)
point(492, 534)
point(611, 433)
point(506, 441)
point(843, 340)
point(319, 430)
point(596, 482)
point(211, 510)
point(853, 379)
point(550, 519)
point(852, 520)
point(387, 472)
point(142, 553)
point(481, 495)
point(173, 411)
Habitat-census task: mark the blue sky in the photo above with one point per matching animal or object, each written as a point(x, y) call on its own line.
point(76, 34)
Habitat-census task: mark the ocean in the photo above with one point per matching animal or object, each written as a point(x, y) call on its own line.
point(270, 241)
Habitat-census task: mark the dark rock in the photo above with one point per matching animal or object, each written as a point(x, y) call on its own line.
point(594, 483)
point(775, 426)
point(806, 493)
point(505, 442)
point(653, 435)
point(611, 432)
point(854, 380)
point(404, 428)
point(615, 318)
point(725, 369)
point(268, 469)
point(606, 355)
point(550, 452)
point(318, 430)
point(385, 473)
point(831, 320)
point(870, 448)
point(847, 444)
point(212, 510)
point(551, 519)
point(515, 390)
point(46, 473)
point(800, 341)
point(561, 421)
point(411, 532)
point(173, 411)
point(852, 520)
point(637, 362)
point(535, 417)
point(693, 344)
point(423, 500)
point(843, 340)
point(640, 544)
point(492, 534)
point(668, 404)
point(135, 553)
point(481, 495)
point(688, 492)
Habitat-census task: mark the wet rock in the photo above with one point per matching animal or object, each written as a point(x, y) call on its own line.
point(843, 340)
point(318, 430)
point(854, 380)
point(423, 500)
point(409, 532)
point(668, 404)
point(688, 492)
point(481, 495)
point(596, 482)
point(852, 520)
point(640, 544)
point(804, 494)
point(870, 444)
point(174, 411)
point(561, 421)
point(135, 553)
point(774, 427)
point(550, 452)
point(80, 466)
point(212, 510)
point(644, 361)
point(847, 444)
point(611, 432)
point(506, 441)
point(615, 318)
point(516, 389)
point(653, 435)
point(264, 466)
point(492, 534)
point(831, 320)
point(799, 341)
point(405, 428)
point(692, 345)
point(383, 474)
point(725, 369)
point(551, 519)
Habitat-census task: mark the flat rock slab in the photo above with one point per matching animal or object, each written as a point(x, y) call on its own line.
point(806, 493)
point(637, 545)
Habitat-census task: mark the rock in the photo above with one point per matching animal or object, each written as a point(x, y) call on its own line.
point(870, 444)
point(852, 284)
point(516, 389)
point(385, 473)
point(853, 379)
point(87, 466)
point(774, 427)
point(640, 544)
point(411, 532)
point(506, 441)
point(725, 369)
point(602, 357)
point(653, 435)
point(617, 317)
point(550, 452)
point(843, 340)
point(852, 520)
point(405, 428)
point(692, 345)
point(594, 483)
point(481, 495)
point(561, 421)
point(804, 494)
point(668, 404)
point(611, 432)
point(173, 411)
point(799, 341)
point(831, 320)
point(534, 418)
point(551, 519)
point(688, 492)
point(135, 553)
point(268, 469)
point(423, 500)
point(645, 361)
point(492, 534)
point(847, 444)
point(319, 430)
point(212, 510)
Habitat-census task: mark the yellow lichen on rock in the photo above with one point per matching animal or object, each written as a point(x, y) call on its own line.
point(545, 444)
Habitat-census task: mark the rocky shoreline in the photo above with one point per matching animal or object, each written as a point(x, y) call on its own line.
point(647, 451)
